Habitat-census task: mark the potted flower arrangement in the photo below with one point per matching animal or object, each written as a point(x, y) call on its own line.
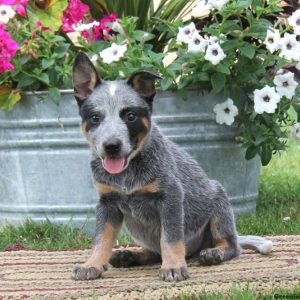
point(229, 69)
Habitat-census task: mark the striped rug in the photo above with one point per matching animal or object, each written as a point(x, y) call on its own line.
point(46, 275)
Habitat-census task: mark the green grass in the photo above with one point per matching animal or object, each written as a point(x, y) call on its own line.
point(237, 293)
point(279, 198)
point(48, 236)
point(43, 236)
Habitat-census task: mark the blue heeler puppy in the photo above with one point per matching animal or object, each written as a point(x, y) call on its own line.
point(147, 183)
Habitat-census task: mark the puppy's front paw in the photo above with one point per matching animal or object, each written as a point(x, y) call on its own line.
point(171, 275)
point(211, 256)
point(87, 273)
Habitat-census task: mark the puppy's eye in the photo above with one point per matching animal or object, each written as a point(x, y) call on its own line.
point(131, 117)
point(95, 119)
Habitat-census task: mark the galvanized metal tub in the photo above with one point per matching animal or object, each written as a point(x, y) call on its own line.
point(44, 159)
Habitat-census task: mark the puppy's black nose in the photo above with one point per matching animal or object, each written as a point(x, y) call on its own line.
point(112, 147)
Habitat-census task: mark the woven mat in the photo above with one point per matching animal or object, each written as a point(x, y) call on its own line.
point(46, 275)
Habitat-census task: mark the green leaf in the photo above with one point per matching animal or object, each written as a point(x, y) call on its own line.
point(47, 62)
point(183, 94)
point(99, 46)
point(223, 67)
point(8, 98)
point(202, 76)
point(44, 78)
point(207, 67)
point(296, 107)
point(173, 67)
point(25, 80)
point(259, 28)
point(248, 50)
point(244, 3)
point(251, 152)
point(142, 36)
point(50, 16)
point(61, 50)
point(266, 155)
point(58, 38)
point(67, 80)
point(184, 81)
point(218, 81)
point(165, 83)
point(231, 25)
point(156, 57)
point(54, 94)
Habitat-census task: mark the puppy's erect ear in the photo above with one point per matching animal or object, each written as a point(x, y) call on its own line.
point(85, 77)
point(143, 82)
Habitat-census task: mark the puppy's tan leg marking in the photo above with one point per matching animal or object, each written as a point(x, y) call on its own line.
point(222, 248)
point(129, 258)
point(103, 250)
point(101, 254)
point(174, 267)
point(173, 254)
point(222, 244)
point(219, 241)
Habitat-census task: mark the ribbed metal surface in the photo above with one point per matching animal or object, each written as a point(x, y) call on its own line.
point(44, 159)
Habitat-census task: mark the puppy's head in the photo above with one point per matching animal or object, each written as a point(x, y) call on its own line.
point(116, 115)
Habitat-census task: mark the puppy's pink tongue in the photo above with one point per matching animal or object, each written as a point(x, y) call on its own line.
point(114, 165)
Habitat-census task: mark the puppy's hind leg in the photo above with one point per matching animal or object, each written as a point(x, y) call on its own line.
point(223, 233)
point(130, 258)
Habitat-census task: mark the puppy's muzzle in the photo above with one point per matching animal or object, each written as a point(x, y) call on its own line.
point(112, 147)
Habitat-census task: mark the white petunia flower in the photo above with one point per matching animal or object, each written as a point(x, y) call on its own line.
point(197, 43)
point(218, 4)
point(116, 26)
point(226, 112)
point(285, 84)
point(214, 54)
point(6, 13)
point(82, 27)
point(295, 130)
point(298, 66)
point(201, 9)
point(290, 47)
point(94, 59)
point(294, 21)
point(265, 100)
point(185, 33)
point(215, 40)
point(272, 40)
point(113, 53)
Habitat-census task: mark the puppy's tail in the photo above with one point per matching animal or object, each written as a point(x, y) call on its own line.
point(257, 243)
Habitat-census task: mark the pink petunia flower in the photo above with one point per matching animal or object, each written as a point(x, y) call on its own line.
point(18, 5)
point(8, 47)
point(5, 66)
point(75, 12)
point(102, 31)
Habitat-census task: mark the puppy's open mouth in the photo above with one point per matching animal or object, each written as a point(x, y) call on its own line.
point(114, 165)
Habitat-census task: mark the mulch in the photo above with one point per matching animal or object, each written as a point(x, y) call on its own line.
point(29, 274)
